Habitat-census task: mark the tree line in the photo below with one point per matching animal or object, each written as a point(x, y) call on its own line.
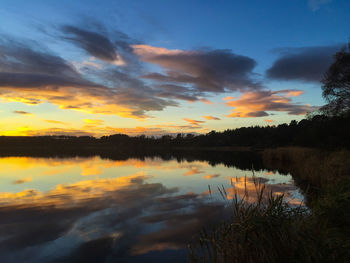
point(320, 131)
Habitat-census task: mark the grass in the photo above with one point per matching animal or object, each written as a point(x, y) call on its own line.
point(310, 167)
point(271, 230)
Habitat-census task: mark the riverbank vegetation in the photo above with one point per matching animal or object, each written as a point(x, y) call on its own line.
point(272, 230)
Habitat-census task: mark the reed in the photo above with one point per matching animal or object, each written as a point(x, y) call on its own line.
point(312, 167)
point(267, 230)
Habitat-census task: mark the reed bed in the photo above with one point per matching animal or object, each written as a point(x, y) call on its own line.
point(267, 230)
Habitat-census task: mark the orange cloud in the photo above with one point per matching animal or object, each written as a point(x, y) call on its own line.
point(211, 176)
point(147, 50)
point(269, 121)
point(88, 100)
point(193, 122)
point(77, 192)
point(294, 93)
point(247, 187)
point(206, 101)
point(90, 168)
point(211, 118)
point(94, 122)
point(257, 103)
point(194, 170)
point(228, 98)
point(100, 130)
point(57, 122)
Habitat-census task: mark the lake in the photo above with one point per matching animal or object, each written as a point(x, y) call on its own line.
point(110, 209)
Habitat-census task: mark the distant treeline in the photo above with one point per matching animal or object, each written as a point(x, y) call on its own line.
point(319, 131)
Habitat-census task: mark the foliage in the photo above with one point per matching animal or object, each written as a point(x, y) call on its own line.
point(319, 131)
point(336, 84)
point(270, 230)
point(311, 168)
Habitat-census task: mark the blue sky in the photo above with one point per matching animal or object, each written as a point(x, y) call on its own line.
point(163, 66)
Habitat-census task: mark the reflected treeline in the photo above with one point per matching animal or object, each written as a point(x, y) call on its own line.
point(244, 160)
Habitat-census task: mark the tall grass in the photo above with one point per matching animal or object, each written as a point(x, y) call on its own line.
point(318, 169)
point(267, 230)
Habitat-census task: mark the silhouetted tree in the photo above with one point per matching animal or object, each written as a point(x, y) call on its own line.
point(336, 84)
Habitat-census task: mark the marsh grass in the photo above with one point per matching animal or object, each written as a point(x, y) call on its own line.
point(266, 230)
point(313, 168)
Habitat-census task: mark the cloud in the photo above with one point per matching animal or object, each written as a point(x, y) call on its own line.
point(211, 118)
point(269, 121)
point(57, 122)
point(315, 4)
point(95, 44)
point(247, 187)
point(22, 112)
point(193, 170)
point(257, 104)
point(33, 77)
point(193, 122)
point(122, 210)
point(55, 131)
point(307, 64)
point(205, 70)
point(100, 85)
point(20, 58)
point(100, 130)
point(211, 176)
point(22, 181)
point(176, 92)
point(94, 122)
point(228, 98)
point(206, 101)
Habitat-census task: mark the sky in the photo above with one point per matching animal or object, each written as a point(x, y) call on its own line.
point(163, 67)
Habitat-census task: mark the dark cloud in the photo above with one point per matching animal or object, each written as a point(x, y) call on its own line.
point(48, 82)
point(206, 70)
point(24, 66)
point(94, 43)
point(31, 76)
point(257, 114)
point(114, 47)
point(16, 57)
point(22, 112)
point(178, 92)
point(130, 90)
point(303, 64)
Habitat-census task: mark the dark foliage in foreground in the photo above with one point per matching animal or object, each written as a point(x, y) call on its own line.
point(270, 230)
point(318, 131)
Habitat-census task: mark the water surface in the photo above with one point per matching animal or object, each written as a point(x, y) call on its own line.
point(89, 209)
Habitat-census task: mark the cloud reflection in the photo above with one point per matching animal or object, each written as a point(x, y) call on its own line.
point(116, 212)
point(248, 187)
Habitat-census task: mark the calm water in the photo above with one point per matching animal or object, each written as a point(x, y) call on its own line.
point(102, 210)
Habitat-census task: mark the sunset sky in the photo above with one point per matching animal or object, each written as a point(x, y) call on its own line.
point(157, 67)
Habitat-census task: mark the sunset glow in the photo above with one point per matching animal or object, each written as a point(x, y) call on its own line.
point(139, 74)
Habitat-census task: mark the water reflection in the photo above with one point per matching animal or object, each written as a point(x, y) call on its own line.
point(103, 210)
